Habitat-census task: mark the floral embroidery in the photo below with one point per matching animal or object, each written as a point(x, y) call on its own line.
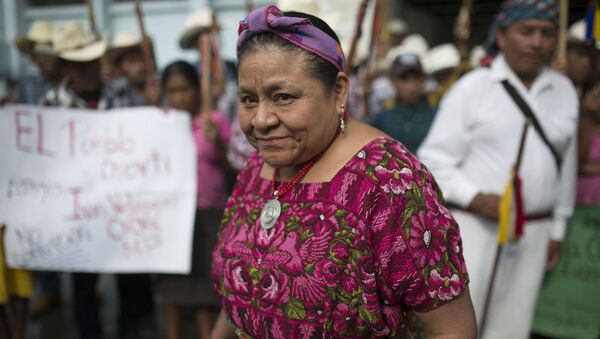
point(347, 258)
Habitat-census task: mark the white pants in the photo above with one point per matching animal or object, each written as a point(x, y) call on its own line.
point(518, 277)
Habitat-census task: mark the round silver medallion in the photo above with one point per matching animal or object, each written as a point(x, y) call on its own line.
point(270, 213)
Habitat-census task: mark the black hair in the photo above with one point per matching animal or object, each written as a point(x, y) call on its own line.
point(182, 68)
point(317, 66)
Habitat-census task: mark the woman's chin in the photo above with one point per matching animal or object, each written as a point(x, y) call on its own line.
point(277, 160)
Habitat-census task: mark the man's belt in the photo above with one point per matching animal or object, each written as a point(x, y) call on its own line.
point(528, 217)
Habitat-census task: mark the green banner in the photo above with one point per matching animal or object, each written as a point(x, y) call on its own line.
point(569, 302)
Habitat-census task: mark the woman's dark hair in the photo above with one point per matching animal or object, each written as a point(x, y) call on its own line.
point(318, 67)
point(182, 68)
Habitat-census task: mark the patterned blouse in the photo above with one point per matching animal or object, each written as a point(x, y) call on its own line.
point(347, 258)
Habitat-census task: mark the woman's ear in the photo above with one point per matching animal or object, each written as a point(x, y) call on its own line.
point(342, 86)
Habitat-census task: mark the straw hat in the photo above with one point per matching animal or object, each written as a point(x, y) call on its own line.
point(197, 23)
point(304, 6)
point(412, 44)
point(37, 40)
point(71, 42)
point(397, 26)
point(122, 43)
point(576, 33)
point(441, 57)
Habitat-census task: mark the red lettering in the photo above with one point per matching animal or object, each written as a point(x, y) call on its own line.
point(75, 193)
point(81, 212)
point(20, 129)
point(40, 142)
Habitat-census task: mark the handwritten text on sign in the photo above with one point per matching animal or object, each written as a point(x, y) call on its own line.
point(107, 191)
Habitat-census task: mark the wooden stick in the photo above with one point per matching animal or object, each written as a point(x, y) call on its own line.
point(357, 34)
point(92, 18)
point(146, 47)
point(563, 23)
point(488, 296)
point(249, 6)
point(204, 47)
point(490, 289)
point(462, 30)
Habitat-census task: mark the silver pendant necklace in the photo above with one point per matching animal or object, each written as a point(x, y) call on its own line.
point(270, 213)
point(272, 209)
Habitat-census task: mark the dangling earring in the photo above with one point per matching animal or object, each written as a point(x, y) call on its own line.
point(342, 122)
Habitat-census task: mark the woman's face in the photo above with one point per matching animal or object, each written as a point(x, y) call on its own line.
point(182, 94)
point(286, 113)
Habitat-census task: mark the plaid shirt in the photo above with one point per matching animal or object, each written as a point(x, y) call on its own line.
point(110, 97)
point(31, 90)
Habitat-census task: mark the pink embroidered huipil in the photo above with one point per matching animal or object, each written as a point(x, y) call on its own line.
point(347, 258)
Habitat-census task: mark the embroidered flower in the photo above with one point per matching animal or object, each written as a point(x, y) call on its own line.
point(433, 202)
point(340, 251)
point(327, 271)
point(274, 288)
point(370, 157)
point(427, 239)
point(237, 279)
point(395, 181)
point(444, 287)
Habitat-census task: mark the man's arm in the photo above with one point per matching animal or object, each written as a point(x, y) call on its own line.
point(447, 145)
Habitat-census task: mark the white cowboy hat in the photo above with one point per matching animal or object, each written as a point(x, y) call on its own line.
point(577, 33)
point(122, 43)
point(397, 26)
point(441, 57)
point(71, 42)
point(412, 44)
point(37, 40)
point(305, 6)
point(197, 23)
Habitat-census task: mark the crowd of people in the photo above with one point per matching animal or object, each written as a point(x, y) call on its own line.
point(344, 200)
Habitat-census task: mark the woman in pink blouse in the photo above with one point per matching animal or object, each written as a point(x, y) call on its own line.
point(333, 229)
point(180, 85)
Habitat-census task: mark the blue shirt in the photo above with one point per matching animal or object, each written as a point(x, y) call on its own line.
point(409, 125)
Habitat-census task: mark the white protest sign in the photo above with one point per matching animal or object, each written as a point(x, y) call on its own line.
point(97, 191)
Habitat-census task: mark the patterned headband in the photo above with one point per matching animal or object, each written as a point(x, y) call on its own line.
point(299, 31)
point(518, 10)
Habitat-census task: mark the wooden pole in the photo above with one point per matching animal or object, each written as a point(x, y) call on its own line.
point(563, 23)
point(204, 47)
point(357, 34)
point(92, 18)
point(462, 27)
point(146, 46)
point(490, 289)
point(249, 6)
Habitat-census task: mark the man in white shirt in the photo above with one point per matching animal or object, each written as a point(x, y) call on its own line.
point(473, 145)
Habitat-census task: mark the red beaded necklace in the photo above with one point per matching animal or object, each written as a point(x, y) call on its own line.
point(300, 174)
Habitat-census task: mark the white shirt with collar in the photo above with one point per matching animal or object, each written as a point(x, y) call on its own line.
point(472, 144)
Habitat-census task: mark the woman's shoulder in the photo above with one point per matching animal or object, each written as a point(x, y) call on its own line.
point(393, 171)
point(381, 153)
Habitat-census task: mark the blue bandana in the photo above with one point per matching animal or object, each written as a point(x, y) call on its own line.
point(518, 10)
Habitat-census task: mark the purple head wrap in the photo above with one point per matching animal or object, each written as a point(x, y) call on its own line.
point(299, 31)
point(518, 10)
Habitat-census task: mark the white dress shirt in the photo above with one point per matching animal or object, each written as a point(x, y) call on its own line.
point(473, 142)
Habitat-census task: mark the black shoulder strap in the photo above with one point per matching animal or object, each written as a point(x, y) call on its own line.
point(529, 114)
